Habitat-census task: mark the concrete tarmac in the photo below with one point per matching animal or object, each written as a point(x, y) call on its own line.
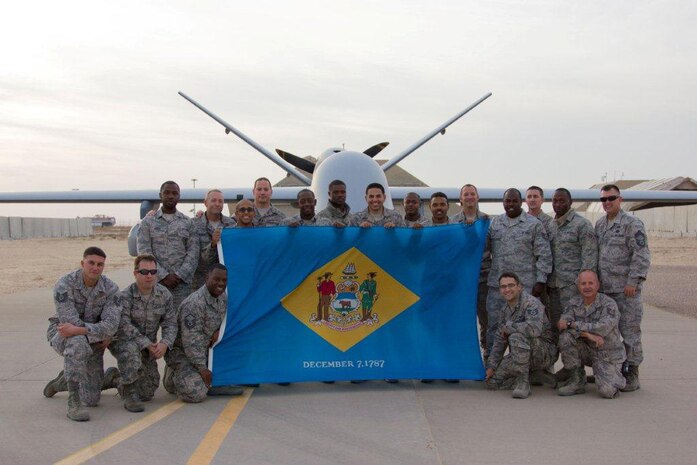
point(374, 422)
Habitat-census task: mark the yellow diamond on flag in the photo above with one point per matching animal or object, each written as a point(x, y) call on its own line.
point(348, 299)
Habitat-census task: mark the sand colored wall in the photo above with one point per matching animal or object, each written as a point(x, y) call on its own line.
point(14, 227)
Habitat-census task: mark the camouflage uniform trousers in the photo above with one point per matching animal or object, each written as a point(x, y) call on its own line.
point(188, 383)
point(136, 366)
point(179, 293)
point(631, 311)
point(559, 298)
point(494, 303)
point(83, 363)
point(524, 354)
point(482, 316)
point(577, 352)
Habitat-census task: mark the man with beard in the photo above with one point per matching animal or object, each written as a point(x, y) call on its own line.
point(439, 212)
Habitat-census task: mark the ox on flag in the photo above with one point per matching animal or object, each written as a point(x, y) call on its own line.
point(323, 303)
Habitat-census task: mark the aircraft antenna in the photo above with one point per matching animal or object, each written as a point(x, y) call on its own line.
point(440, 129)
point(290, 169)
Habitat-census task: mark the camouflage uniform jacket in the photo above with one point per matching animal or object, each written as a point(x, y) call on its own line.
point(96, 308)
point(519, 245)
point(204, 230)
point(174, 244)
point(602, 318)
point(315, 221)
point(624, 256)
point(410, 223)
point(543, 218)
point(142, 316)
point(389, 216)
point(335, 215)
point(574, 248)
point(527, 318)
point(428, 222)
point(486, 256)
point(200, 315)
point(273, 217)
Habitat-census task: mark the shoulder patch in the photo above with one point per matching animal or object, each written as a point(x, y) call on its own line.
point(532, 311)
point(640, 238)
point(61, 296)
point(190, 321)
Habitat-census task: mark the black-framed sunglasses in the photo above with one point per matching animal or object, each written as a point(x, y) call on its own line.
point(245, 209)
point(147, 272)
point(609, 198)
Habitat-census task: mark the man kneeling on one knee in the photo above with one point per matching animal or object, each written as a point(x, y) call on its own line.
point(589, 335)
point(147, 307)
point(200, 316)
point(525, 329)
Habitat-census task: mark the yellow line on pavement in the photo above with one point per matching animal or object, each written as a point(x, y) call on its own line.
point(206, 450)
point(121, 435)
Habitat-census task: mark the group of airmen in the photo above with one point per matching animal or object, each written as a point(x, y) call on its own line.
point(548, 286)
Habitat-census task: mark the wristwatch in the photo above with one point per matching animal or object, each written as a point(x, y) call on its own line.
point(568, 324)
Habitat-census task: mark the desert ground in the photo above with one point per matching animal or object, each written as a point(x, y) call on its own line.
point(38, 263)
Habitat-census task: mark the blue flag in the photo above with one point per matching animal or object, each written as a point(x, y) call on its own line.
point(323, 303)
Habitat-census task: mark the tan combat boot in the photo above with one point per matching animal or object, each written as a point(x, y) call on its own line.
point(168, 381)
point(76, 411)
point(111, 378)
point(632, 379)
point(576, 383)
point(521, 390)
point(131, 401)
point(57, 384)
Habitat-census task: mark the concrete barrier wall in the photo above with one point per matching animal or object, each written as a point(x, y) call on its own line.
point(14, 227)
point(663, 221)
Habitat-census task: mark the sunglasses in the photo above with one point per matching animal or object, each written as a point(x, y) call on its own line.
point(609, 198)
point(147, 272)
point(245, 209)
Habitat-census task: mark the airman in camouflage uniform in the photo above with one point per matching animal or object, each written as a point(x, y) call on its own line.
point(169, 235)
point(147, 307)
point(306, 203)
point(470, 213)
point(265, 214)
point(518, 243)
point(534, 198)
point(375, 213)
point(590, 336)
point(526, 331)
point(200, 317)
point(87, 317)
point(337, 210)
point(574, 248)
point(208, 228)
point(438, 205)
point(623, 263)
point(412, 204)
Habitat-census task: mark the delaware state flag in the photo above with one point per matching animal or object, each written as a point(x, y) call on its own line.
point(323, 303)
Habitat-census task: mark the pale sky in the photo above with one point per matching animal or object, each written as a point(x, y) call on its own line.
point(88, 91)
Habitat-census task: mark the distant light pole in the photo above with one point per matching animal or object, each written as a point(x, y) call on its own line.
point(193, 210)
